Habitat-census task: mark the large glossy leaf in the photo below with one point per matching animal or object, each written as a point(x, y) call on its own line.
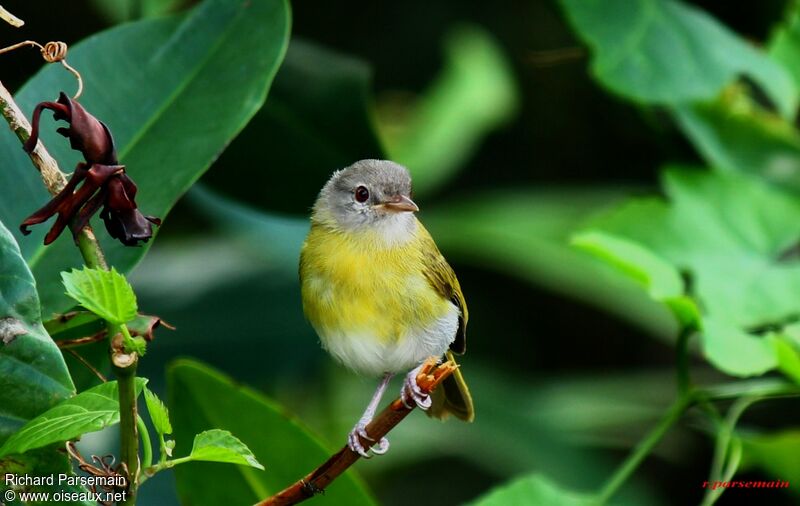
point(318, 119)
point(668, 52)
point(474, 94)
point(88, 411)
point(33, 375)
point(200, 399)
point(173, 91)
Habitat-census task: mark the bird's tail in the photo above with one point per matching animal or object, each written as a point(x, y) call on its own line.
point(452, 397)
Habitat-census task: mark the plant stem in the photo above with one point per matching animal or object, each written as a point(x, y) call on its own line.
point(726, 449)
point(148, 472)
point(129, 443)
point(682, 360)
point(644, 447)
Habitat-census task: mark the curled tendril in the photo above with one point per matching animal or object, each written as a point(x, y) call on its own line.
point(52, 52)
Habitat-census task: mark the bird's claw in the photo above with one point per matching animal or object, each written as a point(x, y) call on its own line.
point(360, 431)
point(412, 392)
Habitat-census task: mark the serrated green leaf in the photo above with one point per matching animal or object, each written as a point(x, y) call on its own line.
point(105, 293)
point(33, 375)
point(533, 490)
point(158, 412)
point(153, 82)
point(668, 52)
point(217, 445)
point(89, 411)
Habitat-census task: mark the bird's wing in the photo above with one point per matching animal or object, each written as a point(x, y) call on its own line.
point(444, 281)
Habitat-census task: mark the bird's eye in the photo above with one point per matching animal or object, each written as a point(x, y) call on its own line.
point(362, 194)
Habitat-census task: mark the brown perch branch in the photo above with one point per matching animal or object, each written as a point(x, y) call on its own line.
point(314, 483)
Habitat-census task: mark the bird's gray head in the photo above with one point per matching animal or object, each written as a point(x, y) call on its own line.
point(369, 193)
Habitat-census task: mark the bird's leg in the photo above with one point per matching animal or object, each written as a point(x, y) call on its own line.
point(361, 427)
point(412, 392)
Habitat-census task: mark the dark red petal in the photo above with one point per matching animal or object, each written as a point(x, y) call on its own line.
point(59, 109)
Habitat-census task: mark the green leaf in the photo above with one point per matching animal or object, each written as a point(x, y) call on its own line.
point(88, 411)
point(787, 353)
point(660, 278)
point(217, 445)
point(200, 398)
point(533, 490)
point(735, 134)
point(784, 43)
point(105, 293)
point(668, 52)
point(474, 94)
point(318, 118)
point(164, 87)
point(33, 375)
point(731, 234)
point(734, 351)
point(158, 413)
point(118, 11)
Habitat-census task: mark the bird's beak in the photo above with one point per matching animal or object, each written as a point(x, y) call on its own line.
point(399, 204)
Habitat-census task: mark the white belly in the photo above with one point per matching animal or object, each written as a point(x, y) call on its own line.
point(368, 355)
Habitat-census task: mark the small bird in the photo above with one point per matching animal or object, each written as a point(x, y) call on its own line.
point(378, 292)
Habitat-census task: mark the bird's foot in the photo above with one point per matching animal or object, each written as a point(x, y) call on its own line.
point(354, 441)
point(411, 391)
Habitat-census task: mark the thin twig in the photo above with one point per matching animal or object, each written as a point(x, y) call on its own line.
point(10, 18)
point(314, 483)
point(52, 52)
point(87, 364)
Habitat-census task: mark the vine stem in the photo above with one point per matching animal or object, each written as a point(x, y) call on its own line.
point(726, 449)
point(644, 447)
point(682, 360)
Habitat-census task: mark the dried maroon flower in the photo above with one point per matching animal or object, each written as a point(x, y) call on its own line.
point(104, 181)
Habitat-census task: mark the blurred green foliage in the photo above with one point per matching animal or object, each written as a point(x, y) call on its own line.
point(672, 207)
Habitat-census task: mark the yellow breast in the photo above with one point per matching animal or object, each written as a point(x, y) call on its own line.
point(354, 283)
